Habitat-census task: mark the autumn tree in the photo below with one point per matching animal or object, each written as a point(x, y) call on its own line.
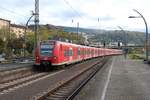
point(30, 42)
point(1, 46)
point(5, 36)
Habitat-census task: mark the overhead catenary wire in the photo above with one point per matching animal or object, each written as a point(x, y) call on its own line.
point(75, 11)
point(13, 12)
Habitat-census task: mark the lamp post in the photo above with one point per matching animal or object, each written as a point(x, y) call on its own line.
point(26, 27)
point(146, 38)
point(70, 34)
point(125, 36)
point(125, 42)
point(78, 32)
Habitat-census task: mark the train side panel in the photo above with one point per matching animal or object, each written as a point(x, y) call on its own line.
point(67, 53)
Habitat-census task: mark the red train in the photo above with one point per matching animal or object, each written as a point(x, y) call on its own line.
point(56, 53)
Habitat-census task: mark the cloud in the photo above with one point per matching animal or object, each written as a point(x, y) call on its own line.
point(112, 13)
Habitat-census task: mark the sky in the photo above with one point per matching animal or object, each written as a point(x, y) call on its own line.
point(111, 13)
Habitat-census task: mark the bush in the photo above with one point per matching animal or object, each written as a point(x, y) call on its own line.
point(135, 56)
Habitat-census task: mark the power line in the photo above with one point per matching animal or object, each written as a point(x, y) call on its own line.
point(76, 12)
point(13, 12)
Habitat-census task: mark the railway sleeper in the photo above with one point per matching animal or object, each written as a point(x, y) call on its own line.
point(53, 98)
point(57, 97)
point(60, 92)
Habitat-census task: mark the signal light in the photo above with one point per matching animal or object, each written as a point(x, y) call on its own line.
point(55, 57)
point(37, 57)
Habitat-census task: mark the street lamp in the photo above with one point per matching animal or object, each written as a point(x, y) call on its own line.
point(125, 42)
point(146, 39)
point(103, 39)
point(125, 36)
point(78, 32)
point(70, 34)
point(26, 27)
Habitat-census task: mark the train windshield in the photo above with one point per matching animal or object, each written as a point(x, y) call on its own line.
point(47, 49)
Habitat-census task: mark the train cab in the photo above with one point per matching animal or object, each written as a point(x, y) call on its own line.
point(45, 53)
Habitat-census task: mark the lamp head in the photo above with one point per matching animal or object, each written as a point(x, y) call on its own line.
point(131, 17)
point(134, 17)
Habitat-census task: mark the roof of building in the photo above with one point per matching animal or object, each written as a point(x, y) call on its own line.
point(4, 20)
point(18, 26)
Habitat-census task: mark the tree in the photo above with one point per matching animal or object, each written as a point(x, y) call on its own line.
point(30, 42)
point(44, 33)
point(1, 46)
point(4, 36)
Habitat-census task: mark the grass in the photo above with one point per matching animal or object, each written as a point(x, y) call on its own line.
point(136, 56)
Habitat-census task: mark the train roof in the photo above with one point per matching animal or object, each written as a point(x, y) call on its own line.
point(62, 42)
point(48, 41)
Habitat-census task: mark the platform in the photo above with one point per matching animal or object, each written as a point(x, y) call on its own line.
point(122, 79)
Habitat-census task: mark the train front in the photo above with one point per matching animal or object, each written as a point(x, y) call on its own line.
point(45, 53)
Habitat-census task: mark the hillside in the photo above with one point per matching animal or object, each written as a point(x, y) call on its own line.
point(94, 35)
point(132, 37)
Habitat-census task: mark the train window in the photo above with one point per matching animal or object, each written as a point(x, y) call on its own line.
point(79, 51)
point(84, 52)
point(71, 52)
point(68, 52)
point(88, 52)
point(61, 47)
point(92, 52)
point(46, 46)
point(46, 49)
point(65, 52)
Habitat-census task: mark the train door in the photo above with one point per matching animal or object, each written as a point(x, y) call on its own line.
point(79, 53)
point(66, 54)
point(61, 56)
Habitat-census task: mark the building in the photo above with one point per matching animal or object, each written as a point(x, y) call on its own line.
point(4, 29)
point(4, 23)
point(19, 30)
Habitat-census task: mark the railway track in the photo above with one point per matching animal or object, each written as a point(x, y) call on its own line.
point(62, 83)
point(17, 83)
point(16, 78)
point(67, 90)
point(10, 75)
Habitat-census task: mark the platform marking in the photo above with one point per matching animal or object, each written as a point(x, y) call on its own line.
point(107, 81)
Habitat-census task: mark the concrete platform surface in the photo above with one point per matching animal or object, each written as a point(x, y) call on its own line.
point(122, 79)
